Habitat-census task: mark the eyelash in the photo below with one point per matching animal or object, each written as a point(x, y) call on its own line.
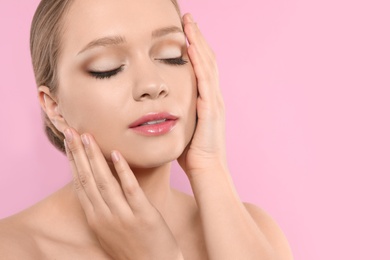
point(105, 74)
point(175, 61)
point(108, 74)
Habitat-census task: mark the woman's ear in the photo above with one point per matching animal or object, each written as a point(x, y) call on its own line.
point(51, 107)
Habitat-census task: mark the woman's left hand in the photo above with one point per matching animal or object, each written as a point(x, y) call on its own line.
point(230, 231)
point(206, 152)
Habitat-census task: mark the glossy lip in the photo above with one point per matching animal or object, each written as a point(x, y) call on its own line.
point(156, 129)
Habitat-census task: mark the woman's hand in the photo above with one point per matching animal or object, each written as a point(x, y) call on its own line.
point(229, 230)
point(207, 149)
point(127, 225)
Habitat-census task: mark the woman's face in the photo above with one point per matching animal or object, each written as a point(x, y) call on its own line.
point(138, 44)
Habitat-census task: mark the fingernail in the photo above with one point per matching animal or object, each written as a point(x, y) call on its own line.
point(190, 18)
point(85, 139)
point(68, 135)
point(115, 156)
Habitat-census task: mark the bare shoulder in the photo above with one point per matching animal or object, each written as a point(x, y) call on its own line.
point(271, 230)
point(16, 241)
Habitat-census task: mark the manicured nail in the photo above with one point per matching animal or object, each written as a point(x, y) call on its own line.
point(68, 135)
point(190, 18)
point(85, 139)
point(115, 156)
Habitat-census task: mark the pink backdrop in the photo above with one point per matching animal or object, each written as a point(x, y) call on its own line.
point(307, 87)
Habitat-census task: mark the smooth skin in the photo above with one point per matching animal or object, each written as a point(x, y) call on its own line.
point(114, 212)
point(127, 225)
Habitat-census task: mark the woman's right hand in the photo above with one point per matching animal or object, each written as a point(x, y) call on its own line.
point(127, 225)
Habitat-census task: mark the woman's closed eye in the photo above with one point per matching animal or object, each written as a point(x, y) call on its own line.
point(108, 74)
point(174, 61)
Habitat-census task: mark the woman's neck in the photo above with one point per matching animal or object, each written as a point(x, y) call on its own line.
point(154, 182)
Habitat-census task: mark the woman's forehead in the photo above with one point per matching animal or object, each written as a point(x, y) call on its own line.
point(88, 20)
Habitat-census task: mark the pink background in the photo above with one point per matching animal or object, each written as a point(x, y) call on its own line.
point(307, 87)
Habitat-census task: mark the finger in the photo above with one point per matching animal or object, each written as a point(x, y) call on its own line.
point(106, 183)
point(83, 170)
point(195, 36)
point(207, 78)
point(130, 186)
point(83, 198)
point(200, 64)
point(198, 42)
point(203, 61)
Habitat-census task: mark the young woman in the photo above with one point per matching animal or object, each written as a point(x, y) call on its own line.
point(123, 96)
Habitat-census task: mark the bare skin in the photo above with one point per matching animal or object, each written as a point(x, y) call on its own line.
point(56, 228)
point(120, 206)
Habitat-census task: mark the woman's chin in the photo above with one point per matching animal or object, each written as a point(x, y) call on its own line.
point(154, 159)
point(148, 153)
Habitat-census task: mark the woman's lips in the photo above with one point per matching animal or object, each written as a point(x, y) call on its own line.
point(154, 124)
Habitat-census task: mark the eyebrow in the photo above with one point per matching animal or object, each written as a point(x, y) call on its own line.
point(117, 40)
point(166, 30)
point(105, 41)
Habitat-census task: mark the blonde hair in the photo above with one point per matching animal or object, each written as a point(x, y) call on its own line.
point(45, 47)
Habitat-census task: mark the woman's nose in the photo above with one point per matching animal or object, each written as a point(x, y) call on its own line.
point(149, 84)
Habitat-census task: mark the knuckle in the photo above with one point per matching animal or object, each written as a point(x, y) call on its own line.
point(73, 147)
point(130, 189)
point(83, 178)
point(70, 157)
point(138, 201)
point(120, 169)
point(90, 153)
point(76, 184)
point(102, 185)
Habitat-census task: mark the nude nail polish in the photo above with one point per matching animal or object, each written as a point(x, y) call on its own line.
point(68, 135)
point(115, 156)
point(85, 139)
